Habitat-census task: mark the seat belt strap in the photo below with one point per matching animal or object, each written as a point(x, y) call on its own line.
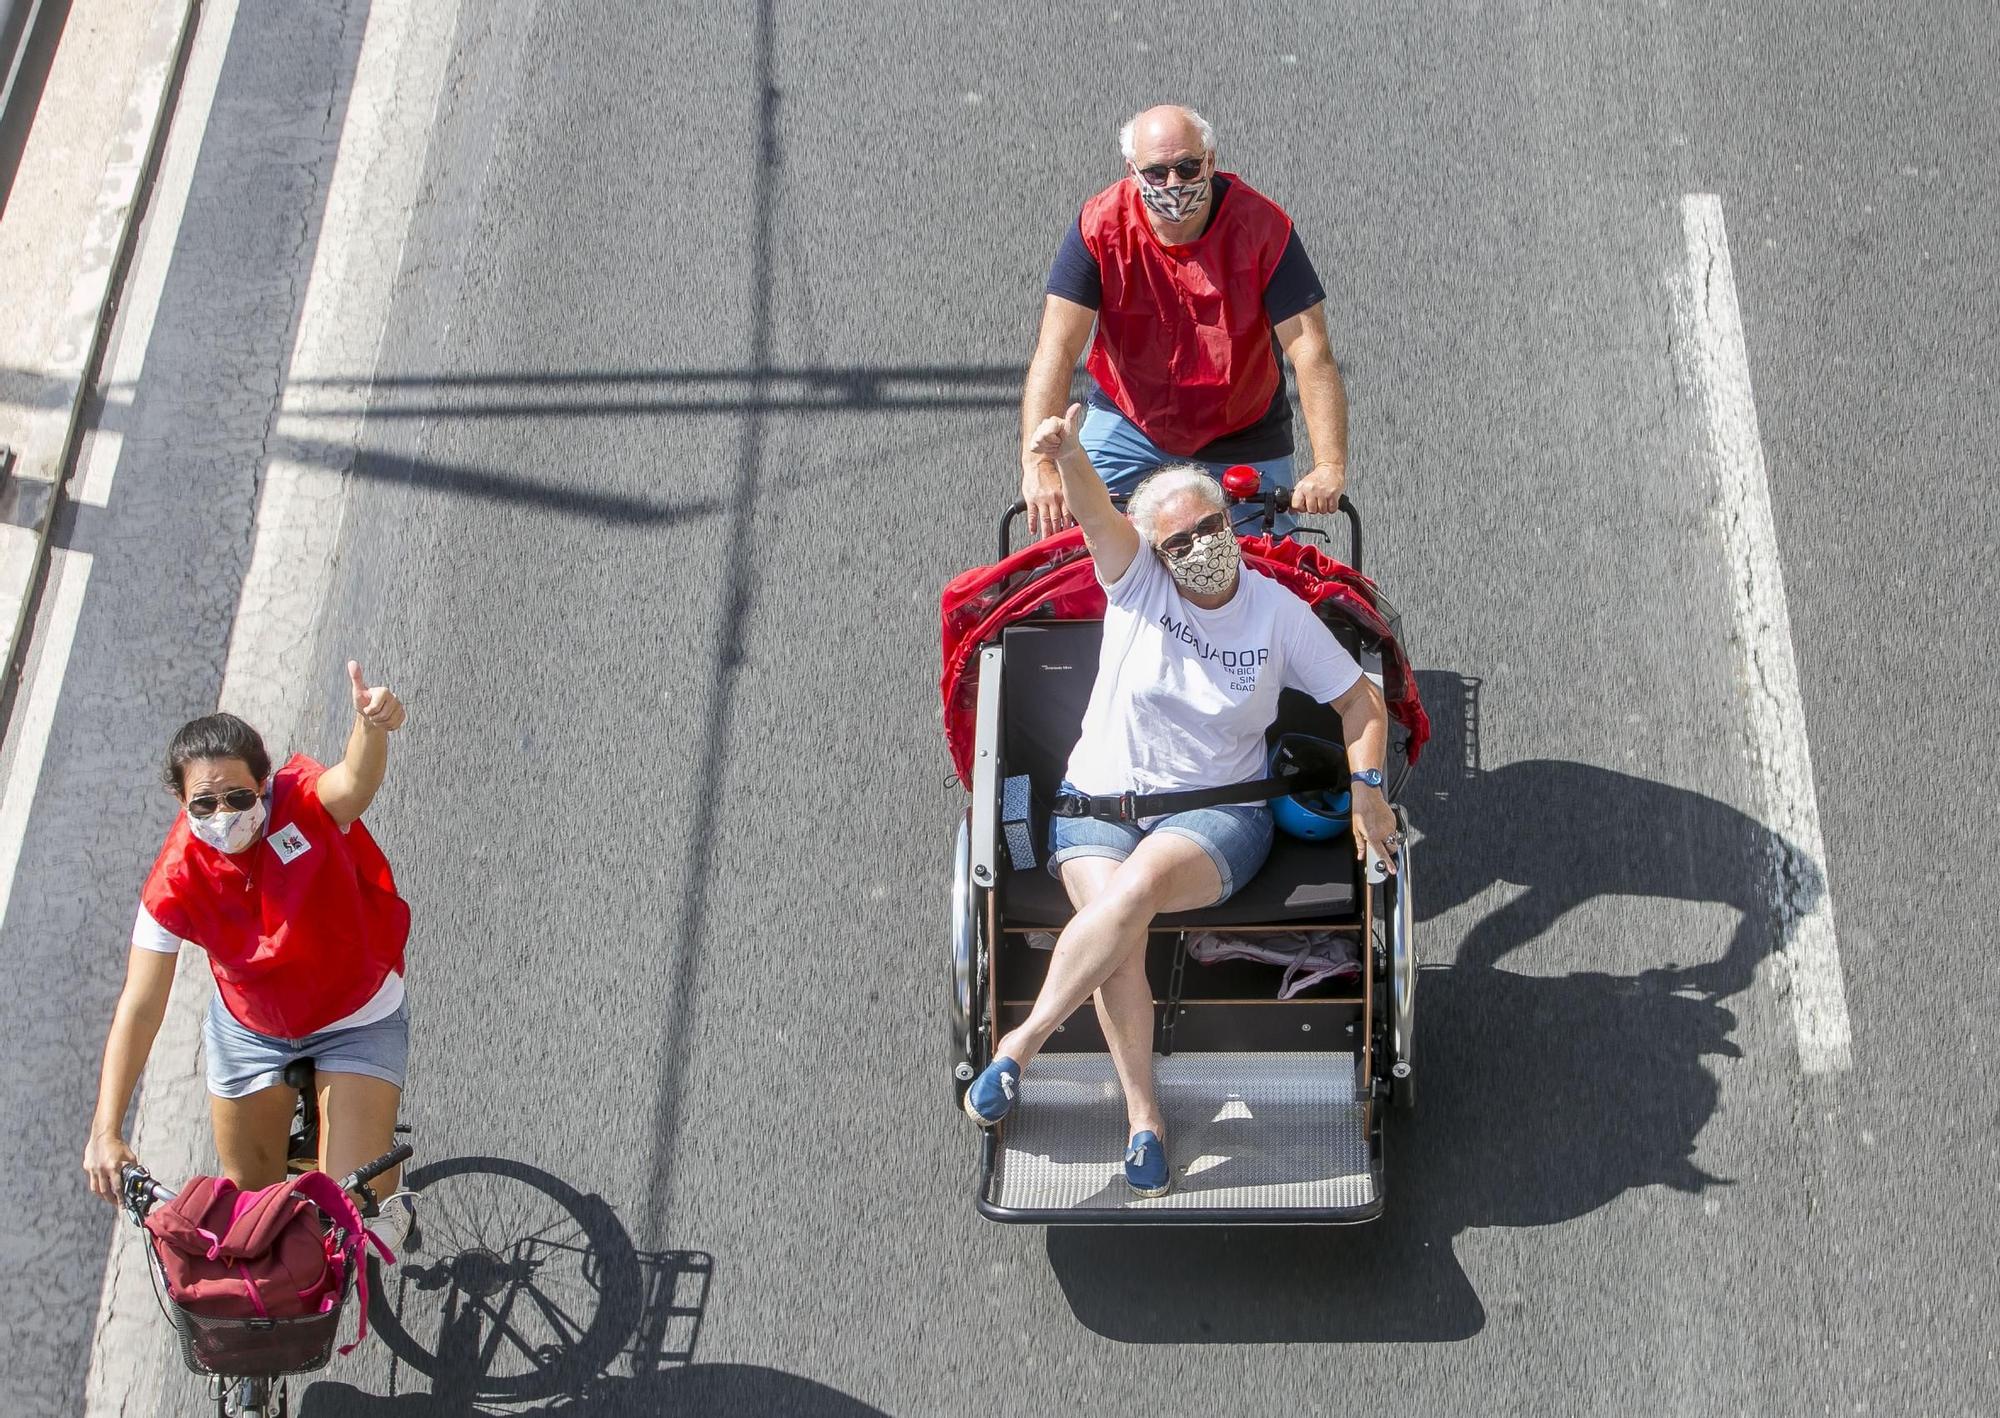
point(1131, 807)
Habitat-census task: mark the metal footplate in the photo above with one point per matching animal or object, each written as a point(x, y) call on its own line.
point(1274, 1138)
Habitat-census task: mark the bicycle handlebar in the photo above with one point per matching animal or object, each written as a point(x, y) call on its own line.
point(139, 1192)
point(361, 1176)
point(136, 1182)
point(1275, 501)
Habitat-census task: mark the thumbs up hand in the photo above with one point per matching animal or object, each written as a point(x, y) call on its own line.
point(1055, 437)
point(380, 708)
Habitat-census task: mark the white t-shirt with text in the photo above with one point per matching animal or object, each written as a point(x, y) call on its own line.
point(1183, 695)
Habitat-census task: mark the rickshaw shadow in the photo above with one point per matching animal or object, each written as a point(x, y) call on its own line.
point(1541, 1099)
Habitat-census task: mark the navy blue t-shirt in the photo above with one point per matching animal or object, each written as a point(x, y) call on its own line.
point(1294, 286)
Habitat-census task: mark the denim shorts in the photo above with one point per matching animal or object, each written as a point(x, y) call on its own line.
point(242, 1062)
point(1236, 836)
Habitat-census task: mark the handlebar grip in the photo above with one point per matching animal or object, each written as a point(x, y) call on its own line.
point(361, 1176)
point(1007, 527)
point(137, 1191)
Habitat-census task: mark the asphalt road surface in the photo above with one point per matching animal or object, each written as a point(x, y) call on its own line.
point(699, 382)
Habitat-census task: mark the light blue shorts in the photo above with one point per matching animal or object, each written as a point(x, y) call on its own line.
point(1236, 836)
point(242, 1062)
point(1123, 457)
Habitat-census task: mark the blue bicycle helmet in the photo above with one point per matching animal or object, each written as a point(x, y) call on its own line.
point(1317, 816)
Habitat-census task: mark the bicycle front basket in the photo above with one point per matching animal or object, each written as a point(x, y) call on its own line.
point(251, 1348)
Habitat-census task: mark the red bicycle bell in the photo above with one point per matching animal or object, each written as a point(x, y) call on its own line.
point(1242, 483)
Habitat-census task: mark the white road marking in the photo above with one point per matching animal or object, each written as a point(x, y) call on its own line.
point(129, 1360)
point(1712, 328)
point(398, 81)
point(373, 190)
point(69, 573)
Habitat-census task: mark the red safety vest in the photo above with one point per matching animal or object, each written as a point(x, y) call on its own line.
point(1183, 344)
point(300, 929)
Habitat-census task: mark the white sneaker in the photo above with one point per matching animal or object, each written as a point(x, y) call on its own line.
point(395, 1222)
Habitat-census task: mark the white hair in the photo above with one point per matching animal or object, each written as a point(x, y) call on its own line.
point(1202, 125)
point(1160, 488)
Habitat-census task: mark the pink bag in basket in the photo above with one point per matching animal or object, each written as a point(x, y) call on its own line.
point(268, 1254)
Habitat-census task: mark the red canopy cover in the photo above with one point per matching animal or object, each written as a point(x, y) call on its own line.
point(1053, 580)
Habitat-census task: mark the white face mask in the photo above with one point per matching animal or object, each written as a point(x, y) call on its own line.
point(1173, 204)
point(230, 832)
point(1209, 566)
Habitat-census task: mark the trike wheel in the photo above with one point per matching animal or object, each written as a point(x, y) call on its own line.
point(968, 959)
point(1400, 987)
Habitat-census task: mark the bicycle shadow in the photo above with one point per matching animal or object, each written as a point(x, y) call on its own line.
point(552, 1310)
point(723, 1390)
point(1540, 1098)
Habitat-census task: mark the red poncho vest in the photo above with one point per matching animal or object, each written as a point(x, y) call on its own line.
point(1183, 344)
point(300, 929)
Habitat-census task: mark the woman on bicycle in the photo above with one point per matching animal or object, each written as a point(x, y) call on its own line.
point(274, 875)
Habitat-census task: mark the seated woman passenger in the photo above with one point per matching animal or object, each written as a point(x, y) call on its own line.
point(1195, 651)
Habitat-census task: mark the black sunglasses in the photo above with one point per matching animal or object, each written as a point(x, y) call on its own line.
point(1187, 170)
point(236, 800)
point(1181, 543)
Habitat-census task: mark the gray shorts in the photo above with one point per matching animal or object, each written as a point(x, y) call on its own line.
point(242, 1062)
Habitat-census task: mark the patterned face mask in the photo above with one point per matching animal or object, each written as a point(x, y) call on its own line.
point(1173, 204)
point(229, 832)
point(1209, 566)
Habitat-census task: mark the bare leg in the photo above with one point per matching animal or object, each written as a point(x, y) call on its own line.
point(251, 1135)
point(1124, 1003)
point(1167, 872)
point(1125, 1009)
point(357, 1124)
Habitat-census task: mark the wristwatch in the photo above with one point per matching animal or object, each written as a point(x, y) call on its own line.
point(1367, 777)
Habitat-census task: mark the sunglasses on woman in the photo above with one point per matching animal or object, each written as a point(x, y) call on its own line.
point(236, 800)
point(1181, 543)
point(1187, 170)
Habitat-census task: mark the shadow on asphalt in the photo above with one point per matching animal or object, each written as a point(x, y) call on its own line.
point(720, 1390)
point(521, 1295)
point(1542, 1098)
point(630, 393)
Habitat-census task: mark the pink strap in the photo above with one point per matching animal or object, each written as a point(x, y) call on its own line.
point(361, 1279)
point(250, 1284)
point(325, 1193)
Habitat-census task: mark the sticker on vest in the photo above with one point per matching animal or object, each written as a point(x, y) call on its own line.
point(289, 843)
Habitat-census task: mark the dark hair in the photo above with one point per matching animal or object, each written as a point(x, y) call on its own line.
point(216, 736)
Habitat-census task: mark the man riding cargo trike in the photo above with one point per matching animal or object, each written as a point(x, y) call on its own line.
point(1183, 748)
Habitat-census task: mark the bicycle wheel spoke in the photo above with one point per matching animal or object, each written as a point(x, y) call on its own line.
point(460, 1230)
point(509, 1292)
point(575, 1226)
point(501, 1328)
point(566, 1329)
